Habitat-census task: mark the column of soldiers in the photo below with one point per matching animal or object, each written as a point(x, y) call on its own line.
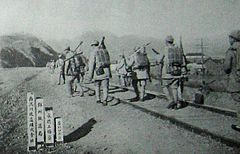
point(173, 70)
point(137, 62)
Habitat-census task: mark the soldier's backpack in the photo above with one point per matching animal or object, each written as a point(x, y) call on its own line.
point(102, 58)
point(175, 60)
point(141, 60)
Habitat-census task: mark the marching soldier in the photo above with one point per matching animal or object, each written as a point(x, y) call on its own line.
point(69, 53)
point(60, 64)
point(52, 66)
point(232, 68)
point(83, 67)
point(173, 72)
point(140, 65)
point(99, 70)
point(121, 70)
point(75, 63)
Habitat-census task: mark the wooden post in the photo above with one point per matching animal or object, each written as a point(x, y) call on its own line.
point(31, 121)
point(59, 129)
point(40, 122)
point(49, 127)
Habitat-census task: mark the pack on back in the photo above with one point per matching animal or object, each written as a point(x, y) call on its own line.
point(79, 60)
point(141, 60)
point(102, 58)
point(175, 60)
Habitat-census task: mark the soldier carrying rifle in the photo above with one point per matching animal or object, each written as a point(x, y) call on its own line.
point(99, 70)
point(173, 72)
point(232, 68)
point(76, 63)
point(140, 65)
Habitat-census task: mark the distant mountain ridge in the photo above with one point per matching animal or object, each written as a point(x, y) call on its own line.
point(24, 50)
point(117, 45)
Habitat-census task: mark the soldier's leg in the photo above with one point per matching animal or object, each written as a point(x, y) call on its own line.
point(119, 80)
point(59, 79)
point(175, 87)
point(63, 76)
point(97, 90)
point(180, 90)
point(70, 85)
point(135, 87)
point(168, 90)
point(142, 86)
point(124, 81)
point(80, 85)
point(105, 86)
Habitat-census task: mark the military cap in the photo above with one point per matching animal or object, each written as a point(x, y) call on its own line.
point(60, 55)
point(235, 35)
point(68, 48)
point(169, 38)
point(95, 42)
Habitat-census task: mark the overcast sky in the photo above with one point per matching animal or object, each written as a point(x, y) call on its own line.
point(156, 18)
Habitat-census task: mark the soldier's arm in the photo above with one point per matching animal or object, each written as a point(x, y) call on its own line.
point(228, 62)
point(92, 65)
point(148, 70)
point(130, 61)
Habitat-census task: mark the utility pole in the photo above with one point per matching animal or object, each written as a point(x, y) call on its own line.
point(202, 47)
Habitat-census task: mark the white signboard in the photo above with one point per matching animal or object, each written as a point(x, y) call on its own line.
point(59, 129)
point(49, 126)
point(40, 120)
point(31, 121)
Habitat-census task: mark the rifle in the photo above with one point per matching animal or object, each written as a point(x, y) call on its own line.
point(184, 56)
point(78, 46)
point(75, 52)
point(155, 51)
point(158, 53)
point(102, 45)
point(144, 45)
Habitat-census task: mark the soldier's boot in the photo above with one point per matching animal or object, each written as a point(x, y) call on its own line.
point(98, 101)
point(70, 88)
point(172, 105)
point(105, 103)
point(135, 99)
point(236, 127)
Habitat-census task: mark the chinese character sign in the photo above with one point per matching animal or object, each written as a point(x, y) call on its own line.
point(59, 129)
point(40, 120)
point(49, 126)
point(31, 121)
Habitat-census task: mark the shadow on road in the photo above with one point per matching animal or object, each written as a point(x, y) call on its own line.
point(80, 132)
point(116, 91)
point(149, 97)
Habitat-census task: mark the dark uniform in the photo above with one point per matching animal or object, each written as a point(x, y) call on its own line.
point(74, 72)
point(232, 68)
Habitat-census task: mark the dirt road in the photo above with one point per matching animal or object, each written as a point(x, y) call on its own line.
point(93, 128)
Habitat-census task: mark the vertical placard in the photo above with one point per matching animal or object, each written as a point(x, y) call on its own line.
point(31, 121)
point(59, 129)
point(40, 120)
point(49, 126)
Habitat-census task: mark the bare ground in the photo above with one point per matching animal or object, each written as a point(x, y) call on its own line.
point(92, 128)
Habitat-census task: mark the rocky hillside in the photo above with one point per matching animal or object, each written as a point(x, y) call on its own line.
point(21, 50)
